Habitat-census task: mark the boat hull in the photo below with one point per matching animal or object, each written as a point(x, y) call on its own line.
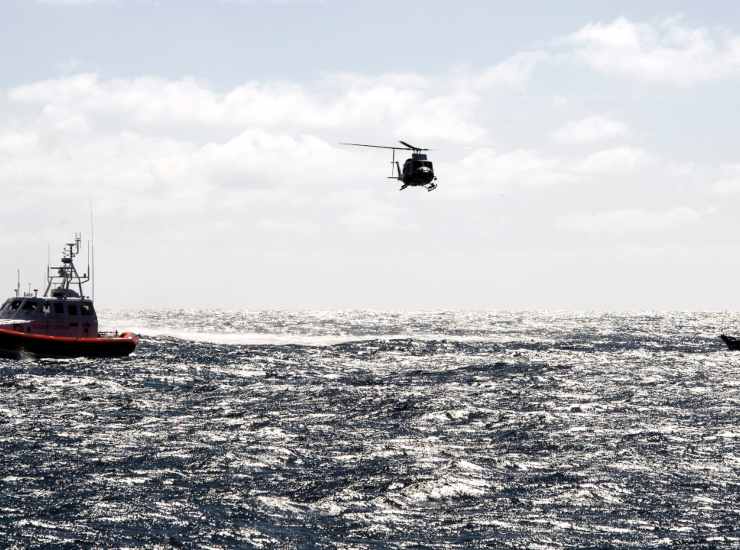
point(15, 343)
point(731, 342)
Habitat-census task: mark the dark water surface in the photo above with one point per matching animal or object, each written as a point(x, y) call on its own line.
point(364, 430)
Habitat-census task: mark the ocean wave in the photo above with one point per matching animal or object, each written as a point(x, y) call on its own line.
point(287, 339)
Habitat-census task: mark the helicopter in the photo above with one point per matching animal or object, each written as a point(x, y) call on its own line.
point(417, 171)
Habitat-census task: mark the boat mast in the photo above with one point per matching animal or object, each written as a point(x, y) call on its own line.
point(66, 274)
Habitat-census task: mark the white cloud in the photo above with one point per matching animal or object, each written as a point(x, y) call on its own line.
point(591, 129)
point(16, 143)
point(344, 102)
point(487, 171)
point(614, 161)
point(667, 51)
point(727, 186)
point(729, 182)
point(514, 71)
point(628, 221)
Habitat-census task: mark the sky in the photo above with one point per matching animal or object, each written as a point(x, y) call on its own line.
point(586, 152)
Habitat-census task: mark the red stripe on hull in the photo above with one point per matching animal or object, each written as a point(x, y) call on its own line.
point(13, 342)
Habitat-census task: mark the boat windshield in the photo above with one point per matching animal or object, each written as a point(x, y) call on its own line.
point(30, 305)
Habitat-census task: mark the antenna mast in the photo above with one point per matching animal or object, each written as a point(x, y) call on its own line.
point(91, 251)
point(66, 274)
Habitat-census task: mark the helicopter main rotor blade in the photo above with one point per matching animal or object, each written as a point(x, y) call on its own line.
point(412, 147)
point(375, 146)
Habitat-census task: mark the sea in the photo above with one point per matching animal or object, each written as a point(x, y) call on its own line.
point(362, 429)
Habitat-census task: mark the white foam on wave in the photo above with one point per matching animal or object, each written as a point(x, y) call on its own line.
point(286, 339)
point(446, 487)
point(250, 338)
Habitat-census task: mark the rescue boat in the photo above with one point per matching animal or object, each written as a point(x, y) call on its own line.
point(60, 323)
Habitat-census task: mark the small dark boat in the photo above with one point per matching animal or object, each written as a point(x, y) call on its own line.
point(60, 323)
point(731, 342)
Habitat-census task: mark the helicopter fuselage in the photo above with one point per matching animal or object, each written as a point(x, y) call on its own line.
point(417, 171)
